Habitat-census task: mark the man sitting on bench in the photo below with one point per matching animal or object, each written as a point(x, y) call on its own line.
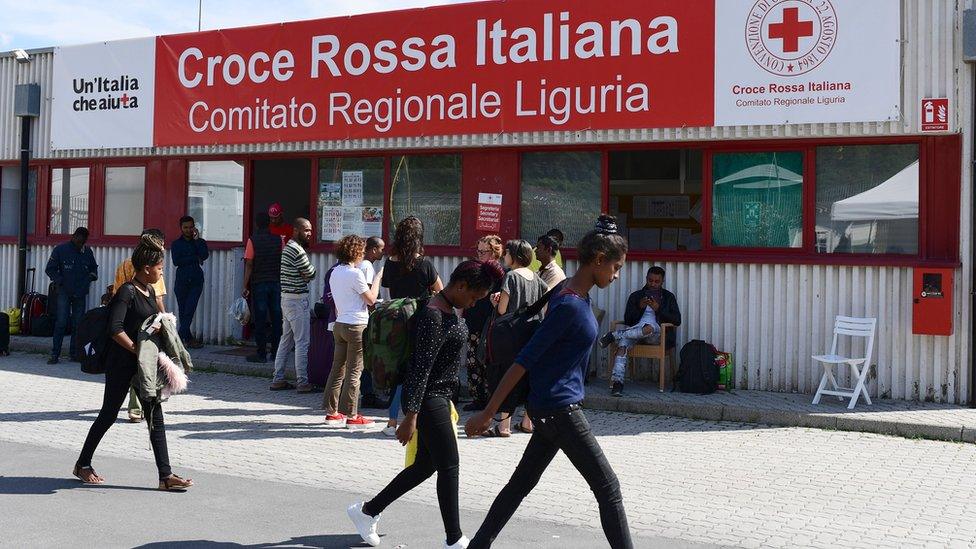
point(647, 309)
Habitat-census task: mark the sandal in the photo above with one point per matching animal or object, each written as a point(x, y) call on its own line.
point(495, 432)
point(87, 475)
point(519, 428)
point(175, 483)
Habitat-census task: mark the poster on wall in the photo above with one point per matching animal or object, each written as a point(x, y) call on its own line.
point(489, 213)
point(103, 95)
point(330, 219)
point(352, 188)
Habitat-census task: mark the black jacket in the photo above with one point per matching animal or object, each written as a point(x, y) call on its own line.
point(667, 313)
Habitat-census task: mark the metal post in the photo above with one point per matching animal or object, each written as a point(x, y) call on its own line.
point(25, 129)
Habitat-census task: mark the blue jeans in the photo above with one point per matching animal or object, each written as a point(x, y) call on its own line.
point(73, 306)
point(395, 403)
point(265, 301)
point(187, 298)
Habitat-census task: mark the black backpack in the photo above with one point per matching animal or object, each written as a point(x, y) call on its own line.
point(504, 336)
point(501, 342)
point(93, 340)
point(697, 372)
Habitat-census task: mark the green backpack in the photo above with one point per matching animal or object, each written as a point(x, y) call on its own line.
point(388, 341)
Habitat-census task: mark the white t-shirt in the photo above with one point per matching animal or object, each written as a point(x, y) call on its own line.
point(368, 271)
point(348, 284)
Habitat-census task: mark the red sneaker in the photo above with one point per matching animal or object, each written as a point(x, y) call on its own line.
point(358, 422)
point(335, 420)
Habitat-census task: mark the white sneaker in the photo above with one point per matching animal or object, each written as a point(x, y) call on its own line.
point(460, 544)
point(389, 431)
point(365, 524)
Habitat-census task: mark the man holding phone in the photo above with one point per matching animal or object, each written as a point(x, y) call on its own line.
point(647, 309)
point(188, 252)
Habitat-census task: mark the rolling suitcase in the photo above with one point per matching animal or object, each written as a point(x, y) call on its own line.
point(32, 306)
point(4, 334)
point(320, 349)
point(321, 346)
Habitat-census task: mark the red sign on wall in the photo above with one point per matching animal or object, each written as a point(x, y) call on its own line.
point(935, 115)
point(489, 213)
point(483, 67)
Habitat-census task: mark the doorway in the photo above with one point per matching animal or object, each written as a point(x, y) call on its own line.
point(287, 182)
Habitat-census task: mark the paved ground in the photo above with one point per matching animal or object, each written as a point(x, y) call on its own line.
point(696, 481)
point(890, 417)
point(225, 511)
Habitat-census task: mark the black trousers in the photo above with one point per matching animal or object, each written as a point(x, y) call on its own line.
point(118, 378)
point(568, 431)
point(437, 450)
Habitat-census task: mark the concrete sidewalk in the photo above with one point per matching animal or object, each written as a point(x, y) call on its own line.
point(888, 417)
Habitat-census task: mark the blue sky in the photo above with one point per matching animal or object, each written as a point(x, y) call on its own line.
point(30, 24)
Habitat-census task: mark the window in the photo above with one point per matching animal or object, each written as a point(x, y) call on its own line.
point(657, 198)
point(429, 187)
point(125, 200)
point(867, 199)
point(10, 201)
point(69, 200)
point(216, 199)
point(561, 190)
point(757, 200)
point(350, 197)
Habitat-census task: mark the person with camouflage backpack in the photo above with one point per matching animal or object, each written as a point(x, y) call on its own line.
point(407, 274)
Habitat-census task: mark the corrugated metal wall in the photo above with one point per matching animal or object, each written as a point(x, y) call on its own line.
point(772, 317)
point(224, 274)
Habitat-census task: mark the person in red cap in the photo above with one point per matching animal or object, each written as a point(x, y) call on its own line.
point(278, 225)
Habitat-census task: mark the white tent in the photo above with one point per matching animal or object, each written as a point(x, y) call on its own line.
point(763, 176)
point(896, 198)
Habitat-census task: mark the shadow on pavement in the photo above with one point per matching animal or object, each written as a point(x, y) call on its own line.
point(41, 486)
point(331, 541)
point(212, 387)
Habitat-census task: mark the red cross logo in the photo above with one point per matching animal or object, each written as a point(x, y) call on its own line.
point(791, 30)
point(124, 99)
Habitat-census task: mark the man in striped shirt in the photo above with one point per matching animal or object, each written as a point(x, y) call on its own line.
point(296, 272)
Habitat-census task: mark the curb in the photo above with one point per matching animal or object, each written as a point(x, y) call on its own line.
point(782, 418)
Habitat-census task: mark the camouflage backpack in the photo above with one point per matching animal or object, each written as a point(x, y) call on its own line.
point(388, 340)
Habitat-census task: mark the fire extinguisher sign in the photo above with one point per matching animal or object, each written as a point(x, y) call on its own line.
point(935, 115)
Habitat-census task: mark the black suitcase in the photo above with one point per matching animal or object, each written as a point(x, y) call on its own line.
point(43, 326)
point(4, 334)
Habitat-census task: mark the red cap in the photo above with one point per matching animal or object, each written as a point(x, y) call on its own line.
point(274, 210)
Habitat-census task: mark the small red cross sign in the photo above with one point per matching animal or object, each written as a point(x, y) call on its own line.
point(124, 99)
point(791, 30)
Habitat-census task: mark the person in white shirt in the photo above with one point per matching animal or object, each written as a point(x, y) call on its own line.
point(353, 296)
point(372, 268)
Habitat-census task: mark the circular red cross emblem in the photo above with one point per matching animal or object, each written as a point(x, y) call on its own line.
point(791, 37)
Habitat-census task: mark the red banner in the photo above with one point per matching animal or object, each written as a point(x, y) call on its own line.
point(486, 67)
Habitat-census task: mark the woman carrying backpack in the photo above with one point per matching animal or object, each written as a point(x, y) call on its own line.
point(520, 288)
point(556, 360)
point(132, 304)
point(407, 273)
point(430, 381)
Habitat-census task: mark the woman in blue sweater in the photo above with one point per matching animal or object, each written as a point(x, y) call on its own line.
point(556, 359)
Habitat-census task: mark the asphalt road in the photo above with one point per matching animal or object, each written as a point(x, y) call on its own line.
point(42, 505)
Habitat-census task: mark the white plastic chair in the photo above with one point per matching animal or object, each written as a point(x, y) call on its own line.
point(854, 327)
